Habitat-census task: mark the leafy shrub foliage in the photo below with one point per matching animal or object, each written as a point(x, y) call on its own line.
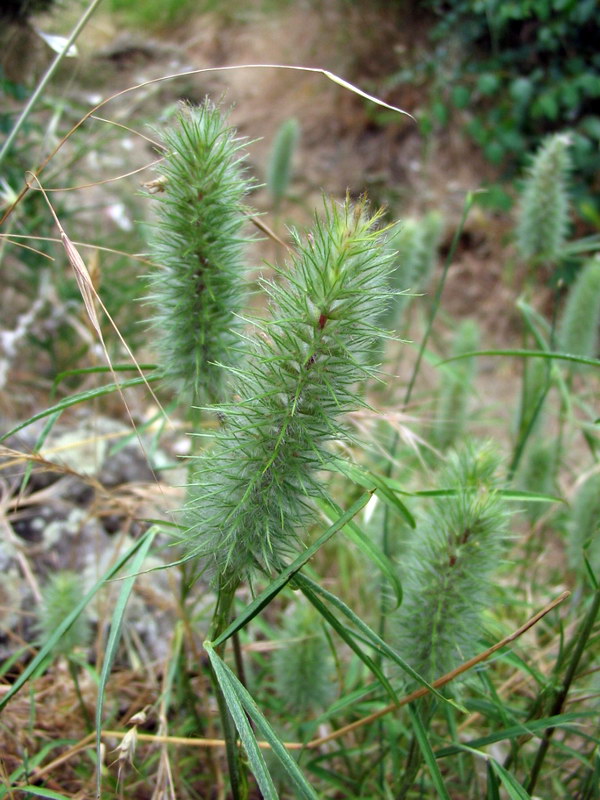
point(520, 70)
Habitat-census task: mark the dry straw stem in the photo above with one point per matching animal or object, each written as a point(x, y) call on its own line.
point(317, 70)
point(136, 256)
point(90, 298)
point(314, 743)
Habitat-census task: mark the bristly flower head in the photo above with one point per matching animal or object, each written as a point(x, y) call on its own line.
point(300, 373)
point(544, 211)
point(196, 242)
point(446, 577)
point(60, 596)
point(579, 329)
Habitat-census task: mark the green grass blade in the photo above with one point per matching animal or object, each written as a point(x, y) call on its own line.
point(375, 641)
point(298, 780)
point(41, 791)
point(69, 620)
point(552, 356)
point(255, 757)
point(33, 761)
point(361, 540)
point(70, 373)
point(81, 397)
point(346, 635)
point(437, 298)
point(508, 494)
point(273, 589)
point(114, 637)
point(515, 731)
point(37, 446)
point(493, 784)
point(371, 481)
point(427, 752)
point(513, 788)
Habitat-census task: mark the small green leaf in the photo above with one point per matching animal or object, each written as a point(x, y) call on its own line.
point(427, 752)
point(460, 96)
point(114, 636)
point(488, 84)
point(81, 397)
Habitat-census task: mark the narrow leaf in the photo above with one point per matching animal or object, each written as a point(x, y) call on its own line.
point(371, 481)
point(510, 783)
point(346, 635)
point(245, 698)
point(427, 752)
point(114, 637)
point(255, 757)
point(593, 362)
point(369, 548)
point(273, 589)
point(81, 397)
point(375, 640)
point(41, 791)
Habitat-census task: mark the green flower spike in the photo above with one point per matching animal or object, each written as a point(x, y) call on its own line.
point(252, 490)
point(544, 211)
point(446, 576)
point(196, 241)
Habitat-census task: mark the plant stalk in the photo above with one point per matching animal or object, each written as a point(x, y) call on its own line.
point(581, 638)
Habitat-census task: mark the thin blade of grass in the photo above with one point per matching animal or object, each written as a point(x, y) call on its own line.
point(493, 784)
point(255, 757)
point(113, 640)
point(33, 762)
point(70, 373)
point(507, 494)
point(375, 641)
point(346, 636)
point(41, 791)
point(550, 355)
point(273, 589)
point(427, 752)
point(515, 731)
point(37, 447)
point(246, 700)
point(368, 547)
point(372, 482)
point(513, 788)
point(80, 397)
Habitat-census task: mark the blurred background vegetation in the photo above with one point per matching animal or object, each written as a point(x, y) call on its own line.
point(505, 96)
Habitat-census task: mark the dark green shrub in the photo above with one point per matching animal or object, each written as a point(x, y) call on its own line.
point(516, 72)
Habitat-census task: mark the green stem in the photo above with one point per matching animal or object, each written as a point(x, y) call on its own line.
point(580, 639)
point(49, 73)
point(74, 677)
